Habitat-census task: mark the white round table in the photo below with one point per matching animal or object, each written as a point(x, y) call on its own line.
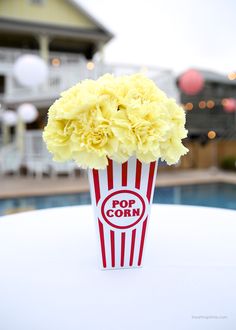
point(50, 278)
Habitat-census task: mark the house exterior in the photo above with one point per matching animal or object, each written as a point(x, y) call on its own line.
point(67, 37)
point(59, 31)
point(50, 26)
point(212, 130)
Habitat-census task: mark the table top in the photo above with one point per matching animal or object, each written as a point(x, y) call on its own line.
point(50, 277)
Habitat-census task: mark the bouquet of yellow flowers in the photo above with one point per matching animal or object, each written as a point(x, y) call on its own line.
point(115, 118)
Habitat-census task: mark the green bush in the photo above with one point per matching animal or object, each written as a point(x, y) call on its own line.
point(229, 163)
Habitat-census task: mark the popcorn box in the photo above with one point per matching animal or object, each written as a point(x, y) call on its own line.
point(122, 197)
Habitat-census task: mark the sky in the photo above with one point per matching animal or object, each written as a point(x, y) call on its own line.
point(171, 34)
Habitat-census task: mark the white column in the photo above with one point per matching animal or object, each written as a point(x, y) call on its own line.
point(44, 47)
point(101, 53)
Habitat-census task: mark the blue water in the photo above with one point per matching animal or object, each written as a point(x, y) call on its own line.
point(214, 194)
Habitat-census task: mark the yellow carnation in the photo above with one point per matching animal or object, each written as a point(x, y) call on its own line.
point(57, 135)
point(115, 118)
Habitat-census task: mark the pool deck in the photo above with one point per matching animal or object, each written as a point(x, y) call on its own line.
point(16, 186)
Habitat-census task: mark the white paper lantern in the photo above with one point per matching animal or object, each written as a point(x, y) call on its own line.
point(27, 112)
point(30, 70)
point(9, 118)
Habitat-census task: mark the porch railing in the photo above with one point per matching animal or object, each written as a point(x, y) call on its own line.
point(71, 69)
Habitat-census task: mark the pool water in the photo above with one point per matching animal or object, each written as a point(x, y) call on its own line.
point(214, 194)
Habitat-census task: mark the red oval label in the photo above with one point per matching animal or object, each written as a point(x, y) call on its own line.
point(123, 209)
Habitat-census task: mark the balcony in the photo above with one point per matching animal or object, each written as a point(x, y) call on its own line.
point(70, 69)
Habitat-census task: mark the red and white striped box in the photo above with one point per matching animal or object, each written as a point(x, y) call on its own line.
point(122, 197)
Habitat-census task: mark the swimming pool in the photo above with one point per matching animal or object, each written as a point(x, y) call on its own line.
point(214, 194)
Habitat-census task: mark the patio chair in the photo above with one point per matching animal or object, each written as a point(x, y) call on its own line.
point(36, 156)
point(63, 168)
point(10, 159)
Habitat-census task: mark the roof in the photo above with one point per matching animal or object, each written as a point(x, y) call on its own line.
point(39, 28)
point(213, 76)
point(216, 77)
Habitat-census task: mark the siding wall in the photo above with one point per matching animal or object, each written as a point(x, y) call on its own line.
point(57, 12)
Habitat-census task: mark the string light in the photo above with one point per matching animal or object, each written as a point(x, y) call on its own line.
point(188, 106)
point(224, 102)
point(90, 65)
point(211, 135)
point(229, 104)
point(56, 62)
point(210, 104)
point(202, 104)
point(232, 75)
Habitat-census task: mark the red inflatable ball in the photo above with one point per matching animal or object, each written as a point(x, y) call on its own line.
point(191, 82)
